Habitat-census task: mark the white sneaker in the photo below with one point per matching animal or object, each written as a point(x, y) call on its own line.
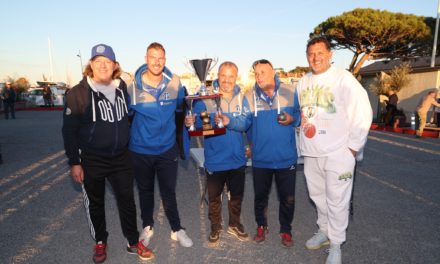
point(334, 255)
point(182, 237)
point(146, 235)
point(317, 241)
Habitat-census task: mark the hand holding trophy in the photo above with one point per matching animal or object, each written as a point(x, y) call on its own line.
point(190, 120)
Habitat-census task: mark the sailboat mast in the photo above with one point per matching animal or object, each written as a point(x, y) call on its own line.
point(50, 59)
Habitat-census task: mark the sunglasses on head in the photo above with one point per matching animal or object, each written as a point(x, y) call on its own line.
point(263, 61)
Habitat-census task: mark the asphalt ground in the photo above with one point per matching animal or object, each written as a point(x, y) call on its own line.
point(42, 219)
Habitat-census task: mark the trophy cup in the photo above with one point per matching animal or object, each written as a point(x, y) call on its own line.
point(201, 69)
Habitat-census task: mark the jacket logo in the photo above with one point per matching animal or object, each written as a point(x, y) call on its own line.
point(237, 108)
point(105, 109)
point(143, 97)
point(309, 111)
point(345, 176)
point(166, 96)
point(259, 104)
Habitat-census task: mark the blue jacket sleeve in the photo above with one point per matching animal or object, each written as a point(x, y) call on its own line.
point(243, 121)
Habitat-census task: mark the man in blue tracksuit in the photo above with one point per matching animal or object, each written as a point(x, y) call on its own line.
point(224, 154)
point(156, 94)
point(272, 112)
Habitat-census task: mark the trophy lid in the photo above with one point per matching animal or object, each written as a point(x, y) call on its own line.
point(201, 67)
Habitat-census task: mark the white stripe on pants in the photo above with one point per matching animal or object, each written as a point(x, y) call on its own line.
point(329, 184)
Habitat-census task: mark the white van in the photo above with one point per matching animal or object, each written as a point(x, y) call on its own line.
point(35, 96)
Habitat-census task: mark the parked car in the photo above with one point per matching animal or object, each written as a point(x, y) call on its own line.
point(35, 96)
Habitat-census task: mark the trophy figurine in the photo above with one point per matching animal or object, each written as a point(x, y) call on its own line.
point(206, 120)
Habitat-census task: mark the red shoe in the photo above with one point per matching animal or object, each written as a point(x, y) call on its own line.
point(133, 249)
point(261, 234)
point(286, 239)
point(143, 252)
point(100, 252)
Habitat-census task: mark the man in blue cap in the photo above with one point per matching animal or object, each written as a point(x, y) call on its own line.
point(96, 134)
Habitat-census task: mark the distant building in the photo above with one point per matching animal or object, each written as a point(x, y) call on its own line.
point(245, 81)
point(192, 83)
point(422, 76)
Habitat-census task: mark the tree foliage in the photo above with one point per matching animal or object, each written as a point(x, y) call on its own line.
point(399, 77)
point(22, 84)
point(375, 34)
point(396, 80)
point(430, 22)
point(379, 85)
point(300, 70)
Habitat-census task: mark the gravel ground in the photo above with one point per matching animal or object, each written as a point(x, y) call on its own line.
point(42, 219)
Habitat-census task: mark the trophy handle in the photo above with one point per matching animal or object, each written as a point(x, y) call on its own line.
point(214, 62)
point(219, 110)
point(188, 65)
point(189, 103)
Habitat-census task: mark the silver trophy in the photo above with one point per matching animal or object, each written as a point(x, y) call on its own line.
point(201, 68)
point(189, 104)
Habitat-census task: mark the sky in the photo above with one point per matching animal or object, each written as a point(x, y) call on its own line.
point(239, 31)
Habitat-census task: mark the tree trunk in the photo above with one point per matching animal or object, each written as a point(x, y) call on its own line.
point(358, 66)
point(353, 61)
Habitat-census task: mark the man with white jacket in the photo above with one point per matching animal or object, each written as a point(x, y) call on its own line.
point(336, 117)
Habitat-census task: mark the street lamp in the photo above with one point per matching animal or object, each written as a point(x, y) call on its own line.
point(434, 45)
point(80, 61)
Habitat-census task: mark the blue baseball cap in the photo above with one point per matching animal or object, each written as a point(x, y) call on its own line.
point(103, 50)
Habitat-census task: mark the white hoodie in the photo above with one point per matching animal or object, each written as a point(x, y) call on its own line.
point(336, 112)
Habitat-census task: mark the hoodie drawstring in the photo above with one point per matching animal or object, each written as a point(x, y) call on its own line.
point(93, 107)
point(255, 104)
point(278, 99)
point(240, 104)
point(134, 92)
point(123, 98)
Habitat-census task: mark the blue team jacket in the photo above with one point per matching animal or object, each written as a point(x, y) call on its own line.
point(153, 129)
point(226, 151)
point(273, 144)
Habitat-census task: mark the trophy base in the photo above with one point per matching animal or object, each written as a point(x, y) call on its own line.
point(207, 127)
point(210, 132)
point(199, 97)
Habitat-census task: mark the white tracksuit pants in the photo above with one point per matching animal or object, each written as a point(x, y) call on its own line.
point(330, 181)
